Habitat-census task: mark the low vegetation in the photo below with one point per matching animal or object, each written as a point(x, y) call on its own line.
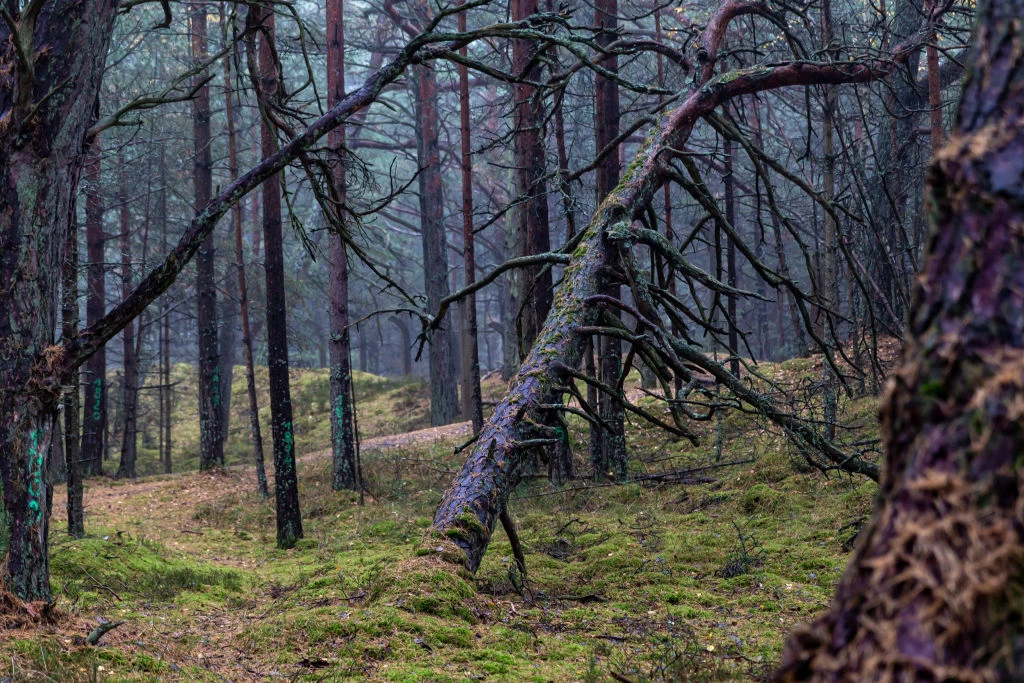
point(698, 578)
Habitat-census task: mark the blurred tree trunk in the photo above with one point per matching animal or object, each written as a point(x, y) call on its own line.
point(932, 592)
point(472, 401)
point(532, 287)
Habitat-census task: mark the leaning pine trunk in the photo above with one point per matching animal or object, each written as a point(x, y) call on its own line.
point(472, 504)
point(933, 592)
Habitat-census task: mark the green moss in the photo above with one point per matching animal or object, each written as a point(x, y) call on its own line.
point(760, 499)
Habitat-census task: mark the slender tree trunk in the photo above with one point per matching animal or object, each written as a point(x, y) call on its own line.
point(730, 257)
point(613, 456)
point(243, 293)
point(72, 399)
point(94, 423)
point(472, 400)
point(932, 591)
point(532, 286)
point(444, 399)
point(343, 447)
point(211, 430)
point(286, 487)
point(830, 267)
point(935, 93)
point(130, 361)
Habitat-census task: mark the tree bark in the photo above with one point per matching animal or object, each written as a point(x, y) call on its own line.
point(286, 486)
point(211, 429)
point(444, 399)
point(73, 398)
point(532, 286)
point(130, 359)
point(95, 415)
point(343, 447)
point(610, 459)
point(41, 146)
point(931, 592)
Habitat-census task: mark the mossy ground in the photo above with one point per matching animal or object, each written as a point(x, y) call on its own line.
point(672, 582)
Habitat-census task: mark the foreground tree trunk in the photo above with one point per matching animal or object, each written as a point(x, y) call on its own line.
point(933, 591)
point(41, 143)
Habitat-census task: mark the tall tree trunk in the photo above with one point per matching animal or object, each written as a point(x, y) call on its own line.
point(211, 430)
point(830, 266)
point(343, 447)
point(932, 591)
point(94, 423)
point(444, 399)
point(73, 398)
point(612, 441)
point(41, 148)
point(472, 400)
point(243, 292)
point(286, 485)
point(130, 361)
point(532, 286)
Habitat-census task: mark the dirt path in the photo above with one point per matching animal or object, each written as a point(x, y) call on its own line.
point(170, 501)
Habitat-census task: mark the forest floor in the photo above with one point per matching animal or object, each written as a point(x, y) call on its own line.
point(646, 581)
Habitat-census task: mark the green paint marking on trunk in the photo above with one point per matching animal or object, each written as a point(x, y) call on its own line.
point(215, 380)
point(97, 395)
point(289, 445)
point(35, 486)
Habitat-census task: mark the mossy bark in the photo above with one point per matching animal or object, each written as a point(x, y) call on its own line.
point(46, 104)
point(933, 592)
point(495, 466)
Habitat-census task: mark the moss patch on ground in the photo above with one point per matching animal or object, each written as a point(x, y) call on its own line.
point(697, 581)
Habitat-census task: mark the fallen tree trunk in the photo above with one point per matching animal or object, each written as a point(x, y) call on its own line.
point(473, 503)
